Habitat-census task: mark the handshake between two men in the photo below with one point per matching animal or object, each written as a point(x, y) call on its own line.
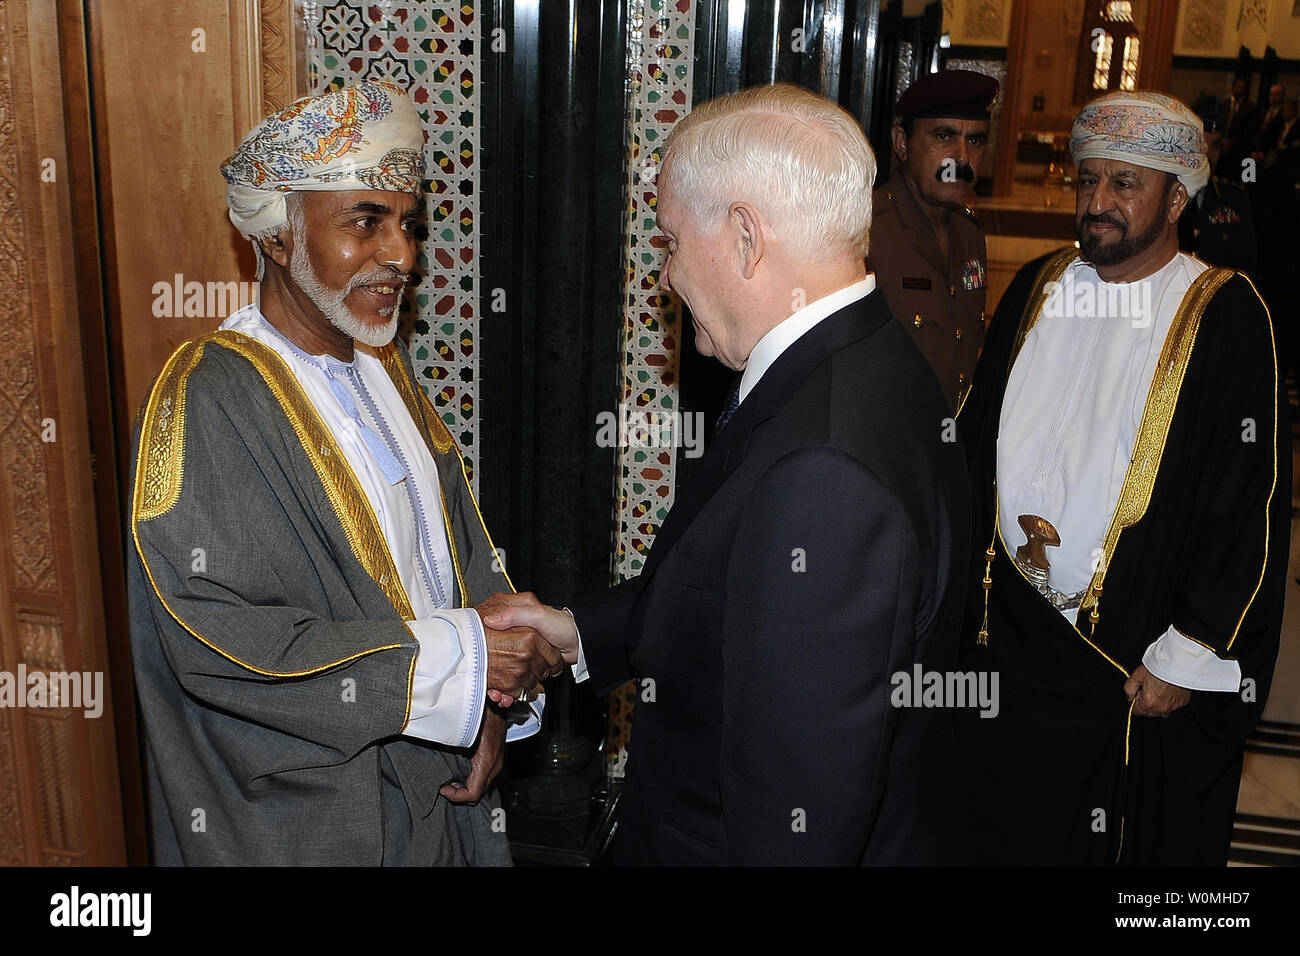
point(317, 695)
point(527, 642)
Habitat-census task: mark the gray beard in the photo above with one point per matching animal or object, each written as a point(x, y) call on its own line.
point(1124, 248)
point(331, 301)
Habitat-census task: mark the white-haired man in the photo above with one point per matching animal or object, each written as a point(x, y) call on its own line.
point(310, 663)
point(1127, 415)
point(815, 557)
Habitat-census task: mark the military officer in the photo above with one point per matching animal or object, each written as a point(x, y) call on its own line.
point(927, 248)
point(1217, 225)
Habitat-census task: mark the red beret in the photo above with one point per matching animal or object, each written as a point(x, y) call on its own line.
point(957, 94)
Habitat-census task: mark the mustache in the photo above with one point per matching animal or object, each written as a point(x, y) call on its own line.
point(1101, 220)
point(379, 275)
point(963, 172)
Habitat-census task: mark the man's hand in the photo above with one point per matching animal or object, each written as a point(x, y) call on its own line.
point(1154, 697)
point(519, 658)
point(524, 610)
point(503, 599)
point(485, 763)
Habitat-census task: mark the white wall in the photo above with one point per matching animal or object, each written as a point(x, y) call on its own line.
point(1218, 19)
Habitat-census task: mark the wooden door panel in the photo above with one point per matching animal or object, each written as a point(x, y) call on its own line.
point(59, 793)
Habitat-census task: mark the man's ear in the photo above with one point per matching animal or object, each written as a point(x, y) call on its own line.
point(899, 137)
point(278, 248)
point(1177, 201)
point(751, 244)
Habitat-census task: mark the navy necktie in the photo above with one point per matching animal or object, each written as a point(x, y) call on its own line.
point(733, 402)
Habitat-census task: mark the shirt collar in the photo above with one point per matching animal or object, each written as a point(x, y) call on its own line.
point(1089, 270)
point(779, 338)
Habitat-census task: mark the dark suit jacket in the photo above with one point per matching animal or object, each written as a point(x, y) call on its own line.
point(1241, 120)
point(1270, 127)
point(818, 552)
point(1285, 137)
point(1239, 136)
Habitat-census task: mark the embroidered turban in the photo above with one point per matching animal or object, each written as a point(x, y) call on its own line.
point(1145, 129)
point(365, 136)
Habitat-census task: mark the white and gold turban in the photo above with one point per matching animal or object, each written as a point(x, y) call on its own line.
point(365, 136)
point(1145, 129)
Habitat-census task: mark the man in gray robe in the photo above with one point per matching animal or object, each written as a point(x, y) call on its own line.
point(308, 559)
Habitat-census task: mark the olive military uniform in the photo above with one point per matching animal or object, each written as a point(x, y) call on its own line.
point(941, 303)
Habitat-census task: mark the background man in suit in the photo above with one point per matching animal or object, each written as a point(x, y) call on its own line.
point(1239, 129)
point(1289, 132)
point(816, 555)
point(1270, 124)
point(1276, 201)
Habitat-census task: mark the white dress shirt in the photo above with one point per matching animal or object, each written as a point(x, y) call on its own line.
point(1070, 417)
point(764, 355)
point(364, 412)
point(785, 333)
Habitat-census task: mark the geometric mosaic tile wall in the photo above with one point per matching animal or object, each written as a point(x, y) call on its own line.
point(660, 44)
point(659, 75)
point(431, 50)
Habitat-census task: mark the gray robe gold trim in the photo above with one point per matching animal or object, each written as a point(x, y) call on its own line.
point(272, 661)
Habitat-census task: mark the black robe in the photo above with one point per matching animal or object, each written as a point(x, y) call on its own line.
point(1065, 774)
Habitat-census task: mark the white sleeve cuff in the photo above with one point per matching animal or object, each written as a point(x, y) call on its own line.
point(580, 666)
point(525, 718)
point(449, 691)
point(1180, 661)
